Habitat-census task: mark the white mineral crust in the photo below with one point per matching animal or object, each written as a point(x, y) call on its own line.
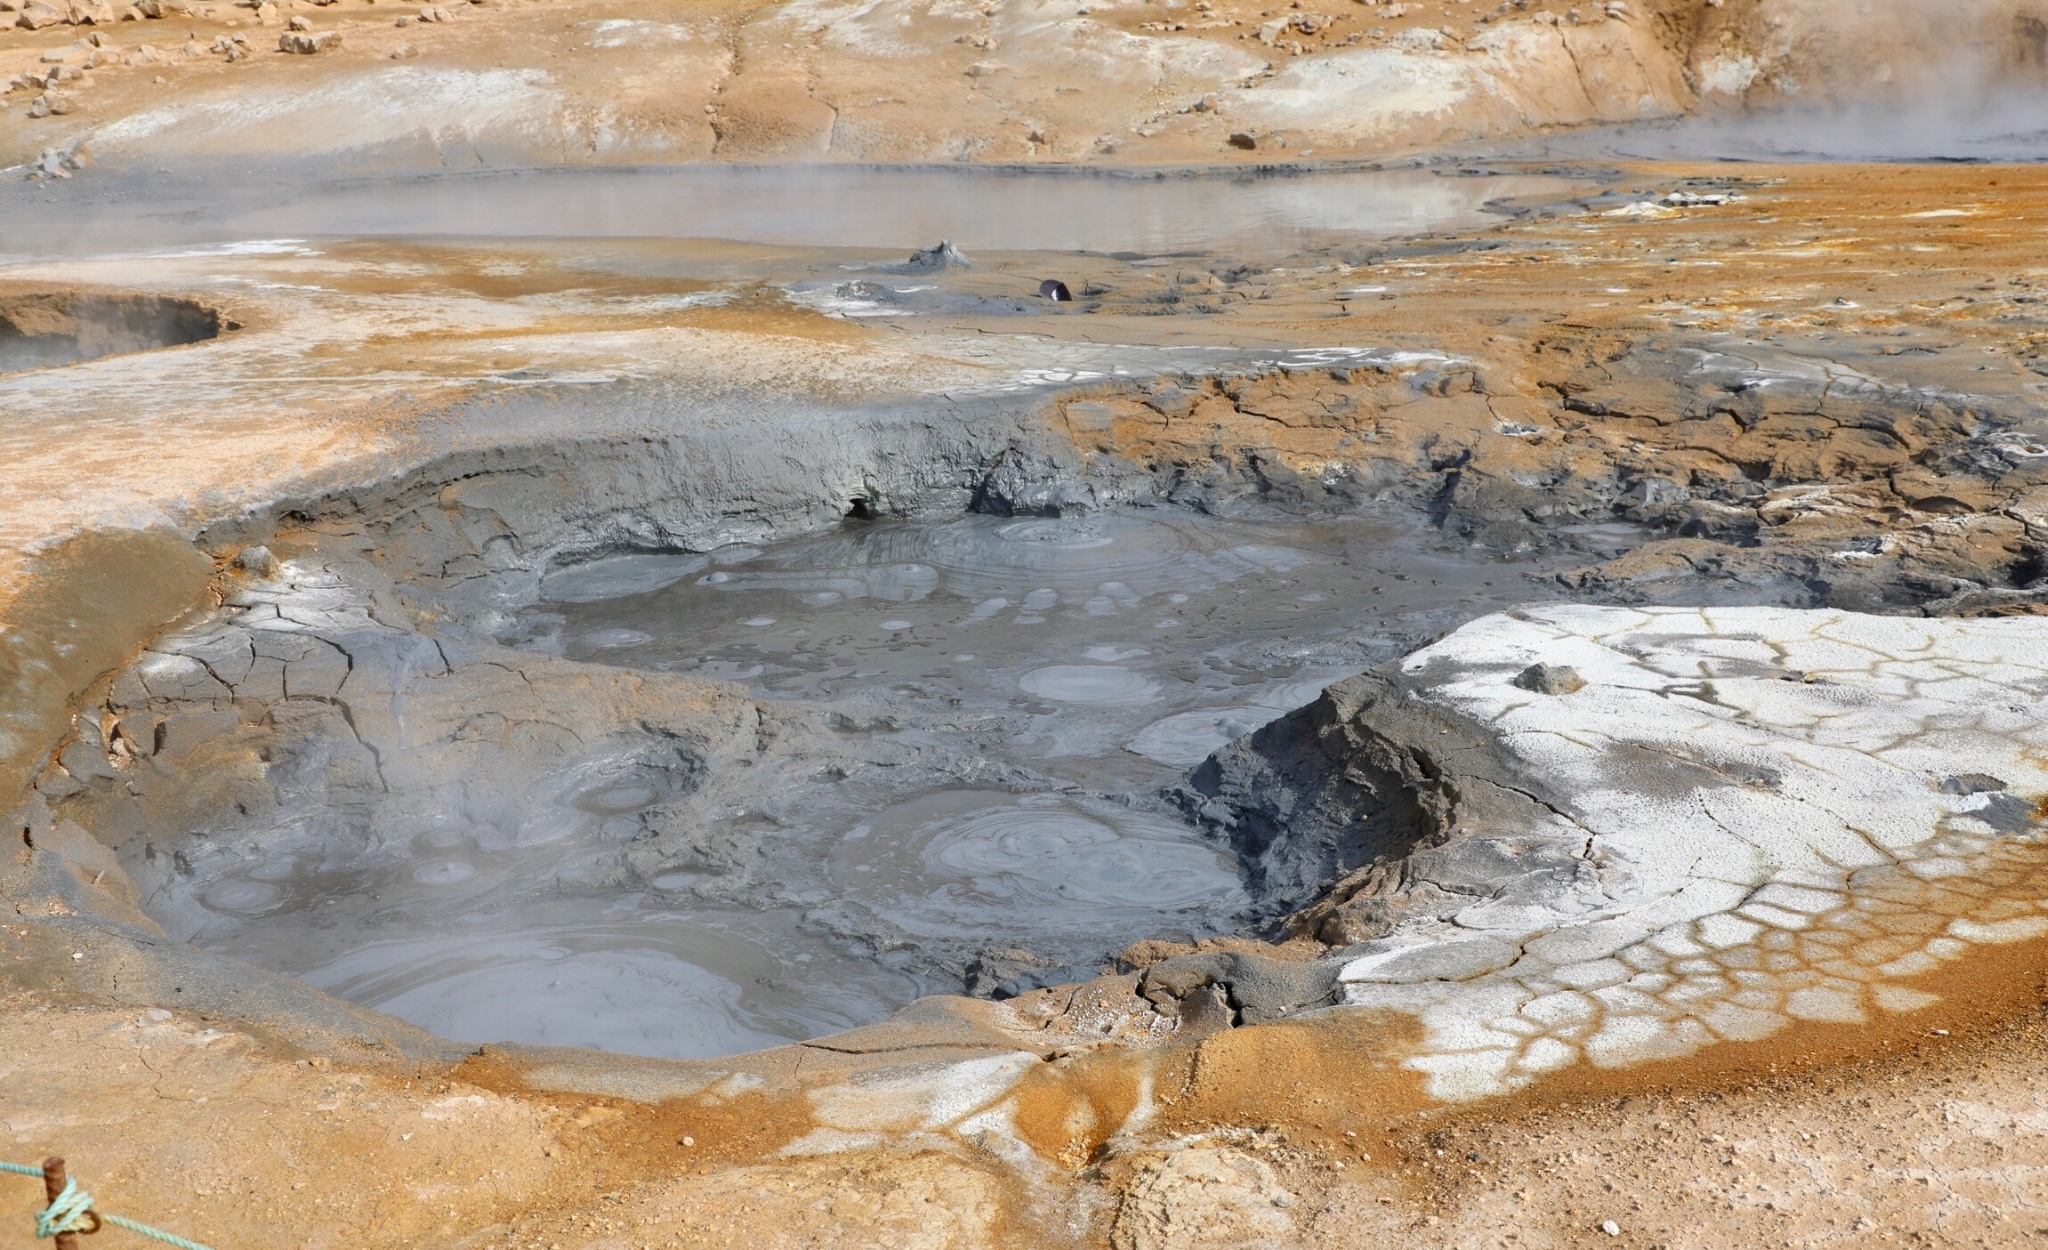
point(1856, 805)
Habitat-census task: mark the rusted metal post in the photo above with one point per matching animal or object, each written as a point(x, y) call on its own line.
point(53, 1184)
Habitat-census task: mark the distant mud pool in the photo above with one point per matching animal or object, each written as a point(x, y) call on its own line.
point(1068, 668)
point(871, 206)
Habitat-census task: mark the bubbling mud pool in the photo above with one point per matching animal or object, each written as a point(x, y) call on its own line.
point(1066, 669)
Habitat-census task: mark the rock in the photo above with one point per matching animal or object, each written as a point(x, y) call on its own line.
point(226, 652)
point(297, 23)
point(306, 43)
point(183, 732)
point(985, 69)
point(142, 54)
point(989, 971)
point(1020, 485)
point(433, 13)
point(944, 256)
point(136, 732)
point(1299, 818)
point(85, 761)
point(1271, 31)
point(1256, 987)
point(36, 14)
point(192, 49)
point(318, 676)
point(1055, 290)
point(179, 677)
point(1243, 141)
point(1550, 679)
point(60, 162)
point(258, 560)
point(1649, 494)
point(150, 8)
point(1972, 783)
point(1203, 1197)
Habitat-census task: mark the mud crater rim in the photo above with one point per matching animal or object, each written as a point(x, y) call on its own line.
point(1021, 824)
point(51, 329)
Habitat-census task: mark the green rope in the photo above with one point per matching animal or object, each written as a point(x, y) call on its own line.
point(72, 1213)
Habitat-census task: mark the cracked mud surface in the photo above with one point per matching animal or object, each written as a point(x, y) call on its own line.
point(1819, 396)
point(1727, 821)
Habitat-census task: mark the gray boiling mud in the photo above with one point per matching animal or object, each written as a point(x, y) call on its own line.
point(466, 930)
point(1055, 673)
point(1111, 649)
point(1100, 654)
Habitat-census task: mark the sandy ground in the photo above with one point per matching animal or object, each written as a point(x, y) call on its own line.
point(1930, 1135)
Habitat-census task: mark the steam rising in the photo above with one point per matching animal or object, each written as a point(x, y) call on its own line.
point(1860, 80)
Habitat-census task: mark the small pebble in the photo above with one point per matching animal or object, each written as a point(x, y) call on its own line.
point(1611, 1228)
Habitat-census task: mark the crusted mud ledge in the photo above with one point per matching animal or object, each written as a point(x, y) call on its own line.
point(1462, 892)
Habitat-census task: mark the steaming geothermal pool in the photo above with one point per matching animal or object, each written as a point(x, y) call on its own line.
point(1086, 660)
point(802, 205)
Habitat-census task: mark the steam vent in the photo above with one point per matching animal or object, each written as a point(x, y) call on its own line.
point(1024, 625)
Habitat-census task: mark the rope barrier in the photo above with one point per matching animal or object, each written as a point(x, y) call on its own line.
point(71, 1212)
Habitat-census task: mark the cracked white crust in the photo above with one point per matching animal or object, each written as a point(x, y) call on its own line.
point(1779, 816)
